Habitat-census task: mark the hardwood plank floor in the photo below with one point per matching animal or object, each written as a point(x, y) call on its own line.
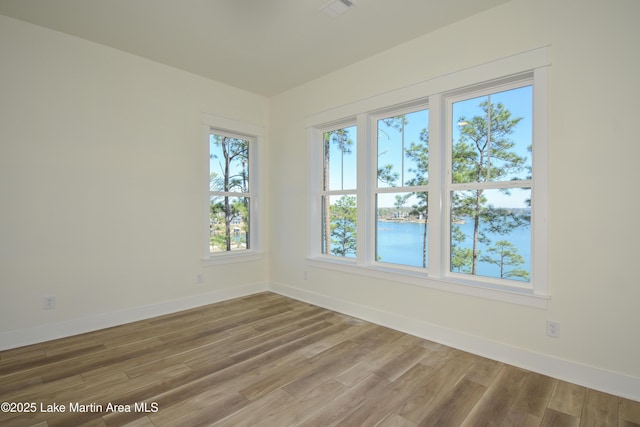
point(267, 360)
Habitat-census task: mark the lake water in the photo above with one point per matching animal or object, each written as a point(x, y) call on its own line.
point(401, 243)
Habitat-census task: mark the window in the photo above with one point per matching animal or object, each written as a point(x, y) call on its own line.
point(229, 193)
point(339, 171)
point(490, 181)
point(401, 194)
point(446, 189)
point(231, 219)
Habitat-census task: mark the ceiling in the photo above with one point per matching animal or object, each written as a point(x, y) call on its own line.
point(262, 46)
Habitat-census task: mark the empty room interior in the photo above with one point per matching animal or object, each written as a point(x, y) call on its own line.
point(303, 212)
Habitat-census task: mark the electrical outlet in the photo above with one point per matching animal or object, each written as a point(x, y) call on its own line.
point(553, 328)
point(199, 279)
point(49, 303)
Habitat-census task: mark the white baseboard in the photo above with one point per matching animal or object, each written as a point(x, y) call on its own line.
point(598, 379)
point(51, 331)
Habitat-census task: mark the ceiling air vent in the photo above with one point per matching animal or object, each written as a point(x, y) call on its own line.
point(337, 7)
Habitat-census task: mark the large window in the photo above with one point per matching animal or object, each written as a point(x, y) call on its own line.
point(488, 190)
point(449, 187)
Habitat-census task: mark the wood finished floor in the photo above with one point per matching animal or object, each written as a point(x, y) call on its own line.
point(267, 360)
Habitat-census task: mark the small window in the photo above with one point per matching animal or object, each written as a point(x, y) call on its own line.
point(230, 194)
point(339, 188)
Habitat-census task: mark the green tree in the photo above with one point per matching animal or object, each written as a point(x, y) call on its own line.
point(229, 211)
point(343, 226)
point(484, 153)
point(504, 255)
point(419, 153)
point(386, 174)
point(460, 256)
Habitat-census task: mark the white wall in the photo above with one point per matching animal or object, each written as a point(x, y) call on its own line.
point(101, 184)
point(593, 152)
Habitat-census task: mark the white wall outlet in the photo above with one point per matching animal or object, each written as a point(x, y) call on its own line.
point(306, 275)
point(553, 328)
point(199, 279)
point(49, 303)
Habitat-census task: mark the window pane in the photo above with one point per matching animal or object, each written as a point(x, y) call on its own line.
point(401, 228)
point(339, 159)
point(339, 225)
point(403, 156)
point(229, 223)
point(491, 233)
point(492, 137)
point(228, 164)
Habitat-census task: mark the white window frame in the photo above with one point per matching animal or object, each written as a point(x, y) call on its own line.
point(255, 135)
point(435, 93)
point(338, 192)
point(448, 186)
point(417, 105)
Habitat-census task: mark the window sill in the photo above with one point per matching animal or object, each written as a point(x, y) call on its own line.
point(420, 278)
point(231, 257)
